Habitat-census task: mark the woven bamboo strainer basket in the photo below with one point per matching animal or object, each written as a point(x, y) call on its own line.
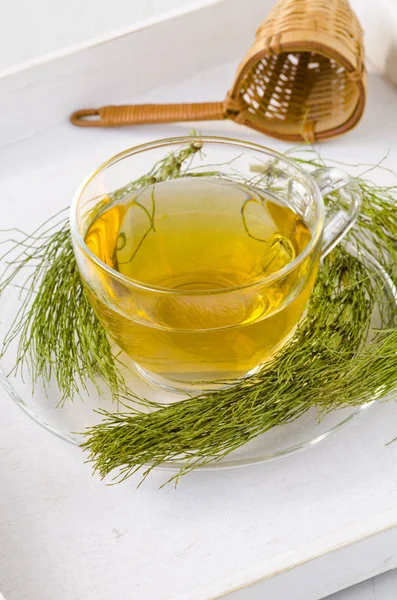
point(303, 78)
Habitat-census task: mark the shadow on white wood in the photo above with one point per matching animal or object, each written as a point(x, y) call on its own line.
point(383, 587)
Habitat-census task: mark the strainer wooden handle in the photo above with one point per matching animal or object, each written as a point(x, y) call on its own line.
point(140, 114)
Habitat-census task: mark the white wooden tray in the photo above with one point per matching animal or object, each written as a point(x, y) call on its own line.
point(301, 527)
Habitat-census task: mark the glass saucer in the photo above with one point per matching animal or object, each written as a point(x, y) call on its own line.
point(43, 405)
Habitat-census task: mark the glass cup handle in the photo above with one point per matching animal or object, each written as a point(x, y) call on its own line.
point(340, 215)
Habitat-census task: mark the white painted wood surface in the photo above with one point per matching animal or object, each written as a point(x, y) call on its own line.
point(383, 587)
point(32, 30)
point(300, 528)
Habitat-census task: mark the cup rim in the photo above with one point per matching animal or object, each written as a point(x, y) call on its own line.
point(79, 240)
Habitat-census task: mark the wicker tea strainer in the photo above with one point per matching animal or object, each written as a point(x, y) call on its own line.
point(304, 77)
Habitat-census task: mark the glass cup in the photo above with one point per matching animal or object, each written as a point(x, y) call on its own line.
point(197, 336)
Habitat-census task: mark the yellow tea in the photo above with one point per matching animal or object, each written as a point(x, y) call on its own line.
point(198, 250)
